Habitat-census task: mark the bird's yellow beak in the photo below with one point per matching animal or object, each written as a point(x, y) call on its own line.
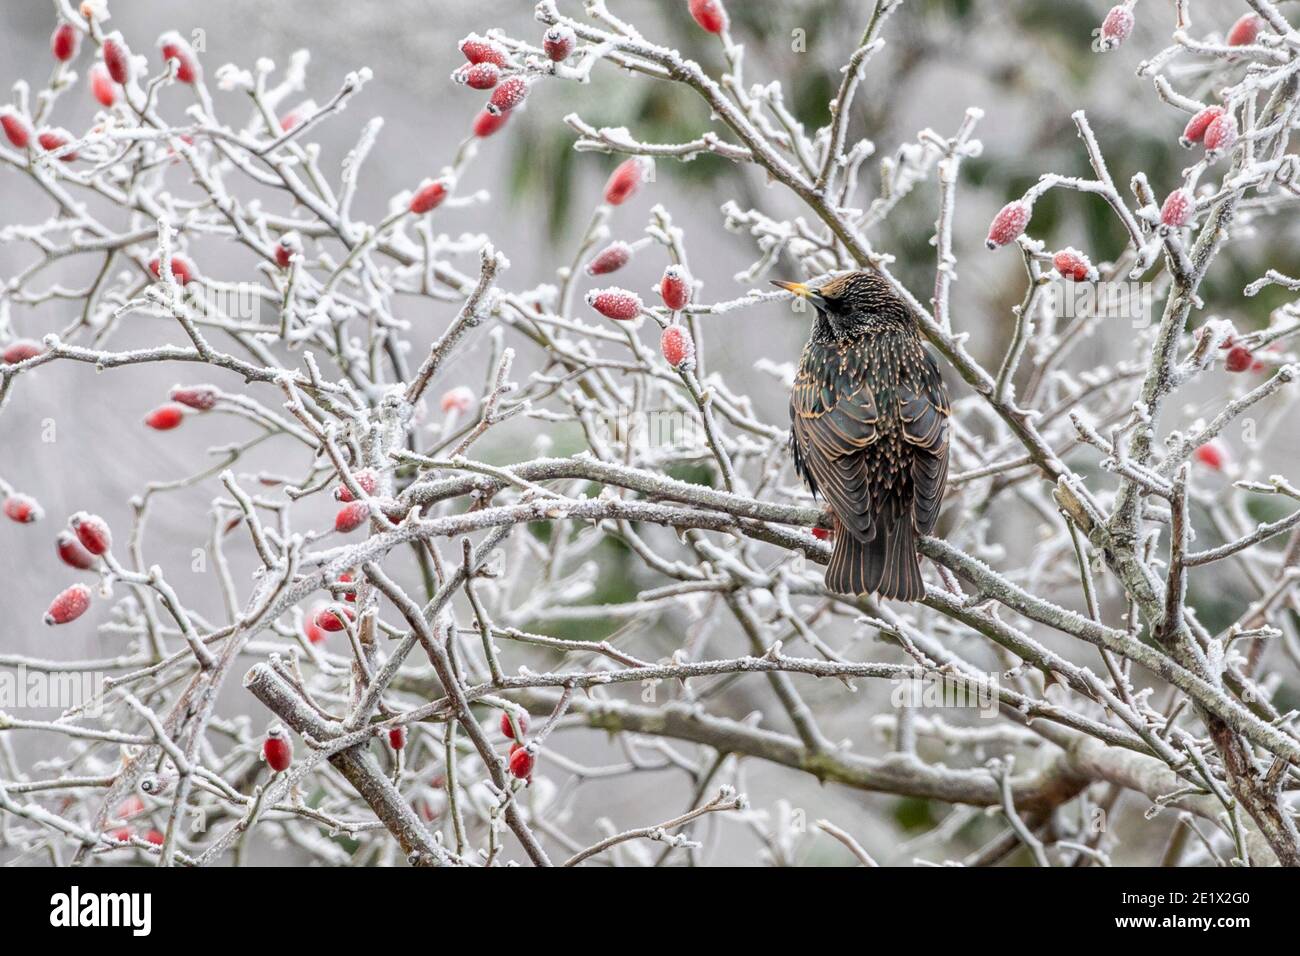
point(804, 291)
point(800, 289)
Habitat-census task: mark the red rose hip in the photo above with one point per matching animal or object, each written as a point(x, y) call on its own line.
point(23, 509)
point(626, 178)
point(182, 270)
point(21, 350)
point(102, 86)
point(117, 58)
point(709, 14)
point(92, 531)
point(351, 517)
point(509, 94)
point(487, 123)
point(68, 605)
point(428, 196)
point(521, 762)
point(615, 303)
point(508, 729)
point(17, 130)
point(277, 748)
point(165, 417)
point(675, 288)
point(72, 553)
point(65, 42)
point(1239, 359)
point(1074, 265)
point(334, 617)
point(176, 47)
point(1246, 30)
point(1009, 224)
point(677, 347)
point(610, 259)
point(558, 43)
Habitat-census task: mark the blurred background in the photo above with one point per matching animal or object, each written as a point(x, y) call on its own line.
point(1027, 63)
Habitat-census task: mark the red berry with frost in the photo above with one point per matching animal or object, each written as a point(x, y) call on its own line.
point(711, 15)
point(1074, 265)
point(182, 269)
point(1246, 30)
point(459, 400)
point(23, 508)
point(486, 123)
point(72, 553)
point(165, 417)
point(610, 259)
point(1239, 359)
point(1177, 208)
point(176, 47)
point(821, 534)
point(677, 348)
point(626, 178)
point(102, 86)
point(366, 479)
point(333, 617)
point(155, 837)
point(428, 196)
point(675, 288)
point(297, 116)
point(614, 303)
point(1221, 133)
point(92, 531)
point(1009, 224)
point(55, 138)
point(508, 95)
point(290, 245)
point(478, 50)
point(351, 517)
point(521, 762)
point(122, 834)
point(17, 130)
point(21, 350)
point(558, 43)
point(1117, 27)
point(311, 630)
point(397, 737)
point(65, 42)
point(201, 398)
point(508, 729)
point(1194, 132)
point(1213, 454)
point(478, 76)
point(350, 593)
point(277, 748)
point(69, 605)
point(117, 58)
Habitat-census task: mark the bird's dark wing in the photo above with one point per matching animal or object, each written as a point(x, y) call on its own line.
point(833, 416)
point(924, 408)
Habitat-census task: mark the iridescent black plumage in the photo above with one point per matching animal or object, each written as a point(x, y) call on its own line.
point(869, 415)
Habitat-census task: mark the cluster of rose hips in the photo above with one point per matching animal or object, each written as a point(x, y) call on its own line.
point(521, 759)
point(489, 66)
point(624, 305)
point(131, 807)
point(1119, 22)
point(88, 540)
point(1213, 127)
point(113, 71)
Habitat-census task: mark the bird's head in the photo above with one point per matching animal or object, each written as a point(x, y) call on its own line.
point(850, 299)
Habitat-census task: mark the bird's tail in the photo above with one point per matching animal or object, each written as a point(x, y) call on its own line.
point(886, 565)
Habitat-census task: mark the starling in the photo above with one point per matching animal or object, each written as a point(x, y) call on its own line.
point(869, 416)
